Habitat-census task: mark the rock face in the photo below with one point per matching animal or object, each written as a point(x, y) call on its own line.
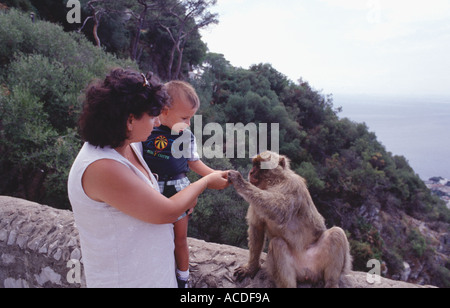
point(39, 248)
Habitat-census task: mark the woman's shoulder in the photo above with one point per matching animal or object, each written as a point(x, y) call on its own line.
point(92, 153)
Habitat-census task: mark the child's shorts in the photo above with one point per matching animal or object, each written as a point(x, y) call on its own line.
point(171, 188)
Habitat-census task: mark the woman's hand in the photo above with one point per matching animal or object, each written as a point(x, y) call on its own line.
point(217, 180)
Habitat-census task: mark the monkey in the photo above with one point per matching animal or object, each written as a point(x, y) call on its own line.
point(301, 249)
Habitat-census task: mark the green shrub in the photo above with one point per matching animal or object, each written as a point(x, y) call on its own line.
point(43, 72)
point(417, 244)
point(307, 171)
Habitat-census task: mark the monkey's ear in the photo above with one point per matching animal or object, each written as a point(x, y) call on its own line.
point(256, 160)
point(284, 162)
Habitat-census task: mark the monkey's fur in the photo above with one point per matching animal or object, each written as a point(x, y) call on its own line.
point(300, 248)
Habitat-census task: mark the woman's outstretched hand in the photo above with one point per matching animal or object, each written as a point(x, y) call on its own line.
point(217, 180)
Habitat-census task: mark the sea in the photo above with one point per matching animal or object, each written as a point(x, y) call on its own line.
point(416, 128)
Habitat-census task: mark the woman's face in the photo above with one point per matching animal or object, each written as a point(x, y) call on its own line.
point(140, 129)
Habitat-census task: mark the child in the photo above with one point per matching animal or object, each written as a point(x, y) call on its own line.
point(173, 171)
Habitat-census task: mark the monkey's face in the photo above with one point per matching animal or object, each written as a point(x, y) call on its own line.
point(255, 175)
point(263, 177)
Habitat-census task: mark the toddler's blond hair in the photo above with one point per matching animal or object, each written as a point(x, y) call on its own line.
point(183, 90)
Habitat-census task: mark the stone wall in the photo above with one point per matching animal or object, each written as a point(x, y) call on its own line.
point(39, 248)
point(36, 244)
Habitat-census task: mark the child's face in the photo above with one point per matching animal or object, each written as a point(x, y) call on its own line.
point(179, 116)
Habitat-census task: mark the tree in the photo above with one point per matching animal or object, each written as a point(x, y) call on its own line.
point(119, 11)
point(97, 11)
point(182, 19)
point(140, 23)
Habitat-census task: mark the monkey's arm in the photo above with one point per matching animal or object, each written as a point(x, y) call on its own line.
point(272, 205)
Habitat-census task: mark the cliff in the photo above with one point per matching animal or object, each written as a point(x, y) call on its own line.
point(39, 248)
point(440, 187)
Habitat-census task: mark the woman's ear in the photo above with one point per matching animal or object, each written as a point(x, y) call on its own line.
point(130, 121)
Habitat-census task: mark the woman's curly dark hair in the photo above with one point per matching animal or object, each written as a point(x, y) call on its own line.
point(109, 103)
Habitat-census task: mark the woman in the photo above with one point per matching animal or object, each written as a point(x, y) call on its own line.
point(125, 224)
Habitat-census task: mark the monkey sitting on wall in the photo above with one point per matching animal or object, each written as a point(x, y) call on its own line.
point(300, 248)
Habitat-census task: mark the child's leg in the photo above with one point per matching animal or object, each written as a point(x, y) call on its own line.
point(181, 245)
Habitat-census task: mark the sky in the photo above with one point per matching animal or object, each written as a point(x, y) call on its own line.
point(371, 47)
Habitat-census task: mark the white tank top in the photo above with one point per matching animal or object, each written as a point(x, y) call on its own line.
point(119, 250)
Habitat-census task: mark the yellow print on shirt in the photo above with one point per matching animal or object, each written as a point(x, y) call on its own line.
point(161, 143)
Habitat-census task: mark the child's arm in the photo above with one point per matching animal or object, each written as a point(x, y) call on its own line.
point(200, 168)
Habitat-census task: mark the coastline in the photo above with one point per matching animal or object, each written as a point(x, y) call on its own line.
point(441, 187)
point(413, 127)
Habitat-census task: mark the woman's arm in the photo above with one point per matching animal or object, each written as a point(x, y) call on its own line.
point(113, 183)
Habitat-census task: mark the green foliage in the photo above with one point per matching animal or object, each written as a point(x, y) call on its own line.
point(365, 244)
point(49, 82)
point(26, 132)
point(24, 5)
point(220, 215)
point(308, 171)
point(441, 275)
point(44, 70)
point(361, 252)
point(417, 244)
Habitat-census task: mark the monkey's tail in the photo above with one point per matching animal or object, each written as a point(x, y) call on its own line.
point(348, 265)
point(344, 280)
point(348, 259)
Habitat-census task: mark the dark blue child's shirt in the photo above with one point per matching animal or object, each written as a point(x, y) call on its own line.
point(168, 154)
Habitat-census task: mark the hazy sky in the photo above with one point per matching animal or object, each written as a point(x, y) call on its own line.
point(383, 47)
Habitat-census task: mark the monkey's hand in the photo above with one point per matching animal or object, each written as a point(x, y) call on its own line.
point(245, 271)
point(235, 177)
